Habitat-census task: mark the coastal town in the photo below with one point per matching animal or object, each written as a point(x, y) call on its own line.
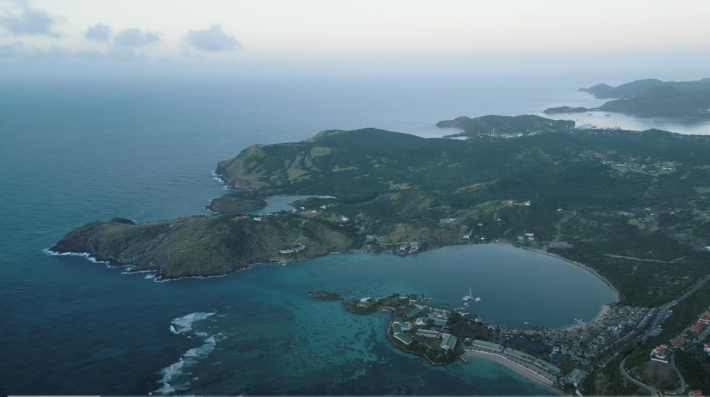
point(560, 359)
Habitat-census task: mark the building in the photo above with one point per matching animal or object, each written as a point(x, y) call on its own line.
point(397, 320)
point(413, 312)
point(403, 338)
point(547, 366)
point(706, 348)
point(527, 203)
point(364, 300)
point(576, 377)
point(440, 322)
point(258, 219)
point(517, 354)
point(695, 393)
point(428, 333)
point(659, 353)
point(448, 342)
point(486, 346)
point(696, 327)
point(420, 321)
point(396, 329)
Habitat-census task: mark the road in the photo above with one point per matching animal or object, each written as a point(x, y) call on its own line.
point(662, 312)
point(628, 377)
point(682, 381)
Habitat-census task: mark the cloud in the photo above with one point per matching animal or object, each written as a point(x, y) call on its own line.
point(212, 39)
point(29, 21)
point(8, 50)
point(135, 38)
point(99, 32)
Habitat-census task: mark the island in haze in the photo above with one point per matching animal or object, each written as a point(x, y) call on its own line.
point(650, 98)
point(633, 207)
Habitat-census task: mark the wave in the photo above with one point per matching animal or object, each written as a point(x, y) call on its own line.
point(84, 255)
point(173, 376)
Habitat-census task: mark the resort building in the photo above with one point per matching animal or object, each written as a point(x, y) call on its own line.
point(397, 320)
point(448, 342)
point(576, 377)
point(547, 366)
point(403, 338)
point(420, 321)
point(428, 333)
point(396, 329)
point(440, 322)
point(413, 312)
point(518, 355)
point(486, 346)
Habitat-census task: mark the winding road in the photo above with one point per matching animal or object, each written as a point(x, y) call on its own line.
point(634, 381)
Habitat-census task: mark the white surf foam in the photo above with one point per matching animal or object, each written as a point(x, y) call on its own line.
point(172, 376)
point(84, 255)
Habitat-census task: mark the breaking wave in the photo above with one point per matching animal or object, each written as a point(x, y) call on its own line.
point(174, 378)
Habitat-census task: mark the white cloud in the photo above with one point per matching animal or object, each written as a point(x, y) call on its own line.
point(99, 32)
point(28, 21)
point(135, 38)
point(212, 39)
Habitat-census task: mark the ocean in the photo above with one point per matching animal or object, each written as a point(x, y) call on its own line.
point(82, 150)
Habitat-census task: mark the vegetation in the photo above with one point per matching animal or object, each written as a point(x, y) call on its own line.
point(633, 206)
point(651, 97)
point(636, 87)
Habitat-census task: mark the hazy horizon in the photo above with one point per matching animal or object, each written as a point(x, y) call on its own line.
point(602, 40)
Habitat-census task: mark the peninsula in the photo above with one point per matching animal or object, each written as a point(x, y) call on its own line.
point(650, 98)
point(609, 199)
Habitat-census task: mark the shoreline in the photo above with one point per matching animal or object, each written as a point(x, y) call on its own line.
point(522, 371)
point(583, 266)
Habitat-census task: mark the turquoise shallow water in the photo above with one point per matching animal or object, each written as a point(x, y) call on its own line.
point(73, 152)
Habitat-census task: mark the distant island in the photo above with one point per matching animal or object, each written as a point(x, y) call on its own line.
point(650, 98)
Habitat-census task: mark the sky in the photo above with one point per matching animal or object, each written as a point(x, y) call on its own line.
point(324, 36)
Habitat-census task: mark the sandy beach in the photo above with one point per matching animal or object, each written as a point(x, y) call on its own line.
point(516, 368)
point(605, 309)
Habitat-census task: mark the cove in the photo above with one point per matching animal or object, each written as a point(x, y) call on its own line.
point(260, 333)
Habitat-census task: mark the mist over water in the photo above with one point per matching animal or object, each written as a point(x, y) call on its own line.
point(77, 151)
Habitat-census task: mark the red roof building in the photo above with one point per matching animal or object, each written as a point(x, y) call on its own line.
point(696, 327)
point(695, 393)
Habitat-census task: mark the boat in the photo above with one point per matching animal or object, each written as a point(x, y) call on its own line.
point(466, 304)
point(477, 300)
point(526, 323)
point(468, 297)
point(578, 321)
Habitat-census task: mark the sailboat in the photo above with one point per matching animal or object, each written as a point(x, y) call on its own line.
point(477, 300)
point(468, 297)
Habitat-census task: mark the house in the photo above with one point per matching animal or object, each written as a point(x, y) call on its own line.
point(706, 348)
point(696, 327)
point(240, 217)
point(527, 203)
point(531, 238)
point(529, 234)
point(521, 237)
point(364, 300)
point(258, 219)
point(448, 342)
point(345, 219)
point(659, 353)
point(695, 393)
point(286, 251)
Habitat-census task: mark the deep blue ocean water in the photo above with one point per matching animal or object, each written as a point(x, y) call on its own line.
point(76, 151)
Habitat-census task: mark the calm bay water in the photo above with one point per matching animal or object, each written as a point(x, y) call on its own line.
point(73, 152)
